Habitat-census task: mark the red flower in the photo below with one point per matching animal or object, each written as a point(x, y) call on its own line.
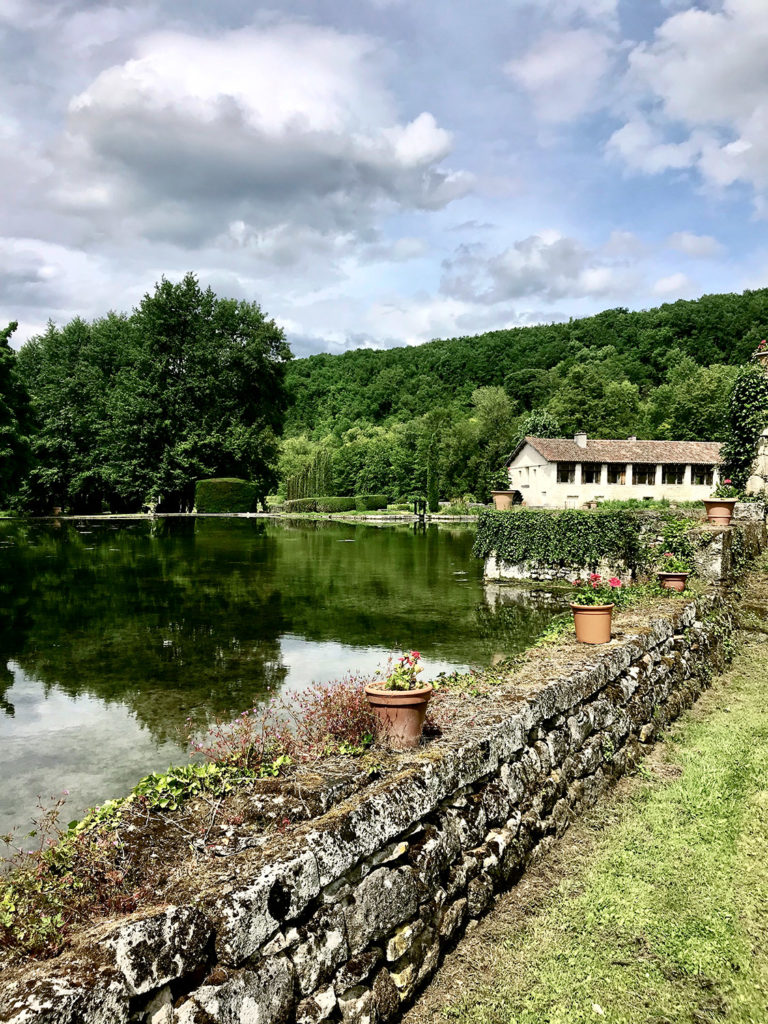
point(577, 583)
point(668, 554)
point(595, 577)
point(727, 481)
point(615, 581)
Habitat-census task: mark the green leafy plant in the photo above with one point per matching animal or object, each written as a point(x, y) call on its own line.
point(225, 495)
point(571, 537)
point(370, 502)
point(403, 675)
point(670, 562)
point(726, 489)
point(748, 417)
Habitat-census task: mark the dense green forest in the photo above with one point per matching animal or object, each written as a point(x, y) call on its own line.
point(663, 373)
point(132, 408)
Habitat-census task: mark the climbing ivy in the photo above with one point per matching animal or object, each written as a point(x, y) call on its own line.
point(571, 537)
point(748, 416)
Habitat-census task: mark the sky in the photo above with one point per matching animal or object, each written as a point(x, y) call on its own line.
point(382, 172)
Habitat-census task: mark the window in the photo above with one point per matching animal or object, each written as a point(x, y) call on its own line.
point(566, 472)
point(673, 474)
point(703, 476)
point(617, 473)
point(590, 472)
point(644, 473)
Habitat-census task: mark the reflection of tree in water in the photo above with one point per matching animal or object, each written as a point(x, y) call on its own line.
point(140, 615)
point(180, 616)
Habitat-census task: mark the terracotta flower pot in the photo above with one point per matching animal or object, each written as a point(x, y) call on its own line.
point(673, 580)
point(593, 622)
point(720, 510)
point(503, 500)
point(400, 714)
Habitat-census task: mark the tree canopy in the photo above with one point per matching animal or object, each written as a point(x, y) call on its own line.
point(137, 408)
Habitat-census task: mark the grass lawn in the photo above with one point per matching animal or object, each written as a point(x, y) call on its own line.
point(658, 909)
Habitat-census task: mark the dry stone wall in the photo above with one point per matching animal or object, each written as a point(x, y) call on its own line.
point(346, 918)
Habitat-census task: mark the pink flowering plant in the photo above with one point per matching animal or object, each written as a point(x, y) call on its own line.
point(403, 675)
point(726, 489)
point(671, 562)
point(595, 590)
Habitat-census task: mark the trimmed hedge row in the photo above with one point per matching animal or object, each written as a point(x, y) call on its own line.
point(573, 537)
point(330, 504)
point(225, 494)
point(335, 504)
point(370, 502)
point(301, 505)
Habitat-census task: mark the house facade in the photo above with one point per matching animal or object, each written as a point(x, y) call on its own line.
point(570, 472)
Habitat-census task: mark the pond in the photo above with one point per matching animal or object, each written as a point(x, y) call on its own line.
point(114, 632)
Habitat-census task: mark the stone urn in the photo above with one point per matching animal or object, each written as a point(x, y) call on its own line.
point(400, 714)
point(673, 580)
point(592, 622)
point(720, 510)
point(503, 500)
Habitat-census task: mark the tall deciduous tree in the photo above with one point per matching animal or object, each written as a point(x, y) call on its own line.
point(138, 408)
point(15, 421)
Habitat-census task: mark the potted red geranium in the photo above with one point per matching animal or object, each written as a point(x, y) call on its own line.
point(399, 703)
point(592, 603)
point(720, 506)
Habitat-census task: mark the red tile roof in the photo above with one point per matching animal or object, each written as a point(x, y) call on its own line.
point(565, 449)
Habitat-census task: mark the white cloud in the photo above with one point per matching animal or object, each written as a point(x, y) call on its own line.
point(563, 71)
point(700, 91)
point(548, 265)
point(676, 286)
point(263, 126)
point(695, 246)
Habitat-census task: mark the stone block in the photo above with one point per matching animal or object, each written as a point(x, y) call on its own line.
point(155, 950)
point(386, 998)
point(355, 971)
point(383, 900)
point(247, 916)
point(479, 895)
point(65, 994)
point(356, 1006)
point(317, 1007)
point(263, 995)
point(322, 947)
point(403, 939)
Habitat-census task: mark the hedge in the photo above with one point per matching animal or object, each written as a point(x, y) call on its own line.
point(301, 505)
point(370, 502)
point(335, 504)
point(225, 494)
point(573, 537)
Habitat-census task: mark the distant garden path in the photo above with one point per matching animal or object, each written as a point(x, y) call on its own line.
point(654, 907)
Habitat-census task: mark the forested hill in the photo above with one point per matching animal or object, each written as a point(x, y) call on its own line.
point(564, 367)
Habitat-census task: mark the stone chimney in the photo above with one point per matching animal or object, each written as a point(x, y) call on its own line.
point(580, 439)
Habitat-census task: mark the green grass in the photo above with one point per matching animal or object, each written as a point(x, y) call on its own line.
point(665, 920)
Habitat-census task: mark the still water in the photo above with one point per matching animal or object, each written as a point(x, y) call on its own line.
point(113, 633)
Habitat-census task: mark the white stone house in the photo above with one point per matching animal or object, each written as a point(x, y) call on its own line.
point(570, 472)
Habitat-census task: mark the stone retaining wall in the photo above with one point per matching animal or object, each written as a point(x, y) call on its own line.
point(346, 918)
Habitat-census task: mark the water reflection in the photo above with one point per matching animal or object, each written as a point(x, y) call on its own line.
point(113, 633)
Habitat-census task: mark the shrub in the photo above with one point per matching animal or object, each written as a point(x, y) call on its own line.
point(301, 505)
point(226, 494)
point(335, 504)
point(370, 502)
